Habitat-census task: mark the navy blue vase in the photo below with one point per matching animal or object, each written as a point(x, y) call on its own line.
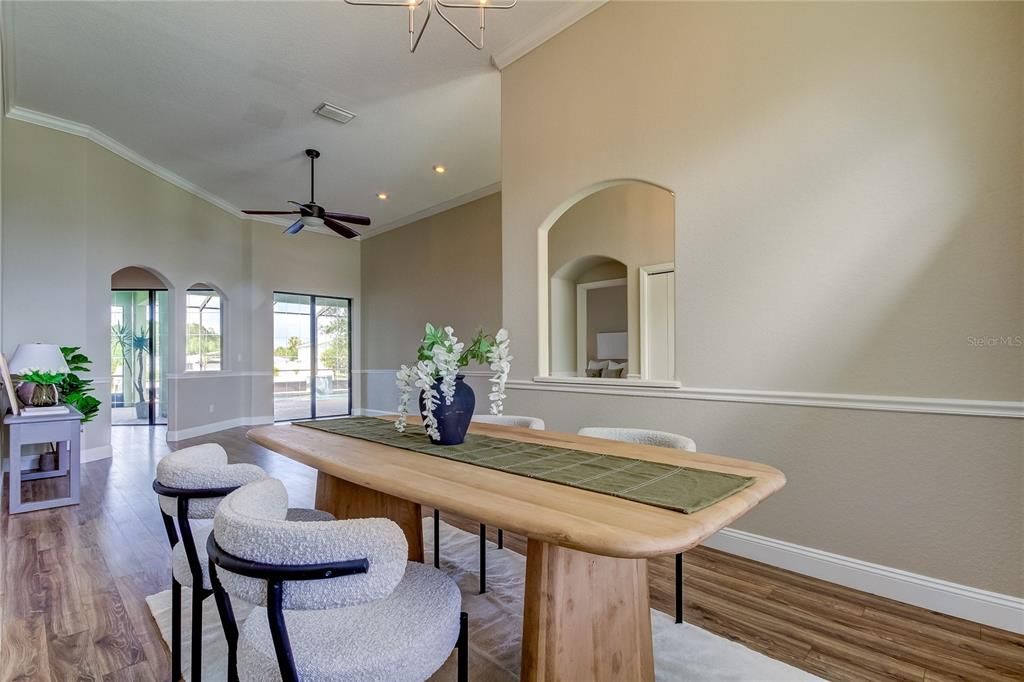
point(452, 420)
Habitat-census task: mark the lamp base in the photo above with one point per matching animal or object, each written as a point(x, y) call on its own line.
point(37, 395)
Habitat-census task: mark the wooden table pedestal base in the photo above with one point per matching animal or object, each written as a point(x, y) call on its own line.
point(350, 501)
point(585, 617)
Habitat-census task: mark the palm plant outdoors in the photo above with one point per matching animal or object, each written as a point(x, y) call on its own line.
point(132, 345)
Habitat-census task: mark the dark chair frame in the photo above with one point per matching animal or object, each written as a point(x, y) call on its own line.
point(182, 497)
point(276, 575)
point(483, 548)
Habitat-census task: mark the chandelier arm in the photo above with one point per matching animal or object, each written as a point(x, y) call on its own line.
point(415, 42)
point(462, 33)
point(384, 3)
point(490, 4)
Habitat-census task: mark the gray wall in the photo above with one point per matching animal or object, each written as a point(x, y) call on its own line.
point(76, 213)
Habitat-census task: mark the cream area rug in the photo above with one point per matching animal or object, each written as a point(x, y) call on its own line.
point(681, 652)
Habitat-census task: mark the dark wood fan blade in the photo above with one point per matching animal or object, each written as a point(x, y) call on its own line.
point(294, 227)
point(342, 229)
point(348, 218)
point(270, 212)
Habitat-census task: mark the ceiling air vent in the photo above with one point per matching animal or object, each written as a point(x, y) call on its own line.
point(333, 112)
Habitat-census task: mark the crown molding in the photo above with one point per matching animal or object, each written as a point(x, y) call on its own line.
point(434, 210)
point(534, 39)
point(110, 144)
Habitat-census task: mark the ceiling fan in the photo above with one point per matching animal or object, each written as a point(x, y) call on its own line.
point(312, 214)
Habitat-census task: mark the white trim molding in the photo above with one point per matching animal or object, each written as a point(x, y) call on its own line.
point(480, 193)
point(204, 429)
point(394, 372)
point(96, 453)
point(367, 412)
point(110, 144)
point(534, 39)
point(224, 374)
point(962, 601)
point(1011, 409)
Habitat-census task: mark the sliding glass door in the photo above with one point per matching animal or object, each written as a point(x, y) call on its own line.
point(312, 337)
point(138, 357)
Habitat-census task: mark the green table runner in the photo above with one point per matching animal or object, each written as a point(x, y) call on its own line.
point(678, 488)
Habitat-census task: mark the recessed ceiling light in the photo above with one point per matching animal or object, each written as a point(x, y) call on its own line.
point(439, 168)
point(382, 195)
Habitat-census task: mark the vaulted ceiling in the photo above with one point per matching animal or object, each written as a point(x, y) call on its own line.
point(222, 94)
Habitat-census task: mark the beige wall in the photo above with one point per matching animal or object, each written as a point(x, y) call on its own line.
point(75, 213)
point(848, 213)
point(445, 269)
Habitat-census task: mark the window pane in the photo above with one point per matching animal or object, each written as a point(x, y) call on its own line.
point(202, 330)
point(332, 343)
point(292, 357)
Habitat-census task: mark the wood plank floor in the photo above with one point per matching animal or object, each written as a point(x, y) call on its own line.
point(73, 583)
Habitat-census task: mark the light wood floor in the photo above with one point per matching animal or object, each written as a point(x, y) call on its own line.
point(74, 581)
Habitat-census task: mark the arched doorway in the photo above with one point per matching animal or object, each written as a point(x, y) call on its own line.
point(139, 347)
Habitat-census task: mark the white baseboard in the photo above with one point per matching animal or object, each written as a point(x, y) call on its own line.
point(970, 603)
point(366, 412)
point(98, 452)
point(204, 429)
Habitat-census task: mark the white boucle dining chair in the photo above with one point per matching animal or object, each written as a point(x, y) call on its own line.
point(336, 600)
point(661, 439)
point(535, 423)
point(190, 483)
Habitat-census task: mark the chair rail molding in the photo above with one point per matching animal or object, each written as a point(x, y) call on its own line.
point(1012, 409)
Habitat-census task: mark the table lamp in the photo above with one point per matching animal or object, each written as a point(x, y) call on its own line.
point(40, 366)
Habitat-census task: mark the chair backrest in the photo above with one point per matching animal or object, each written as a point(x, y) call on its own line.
point(201, 467)
point(535, 423)
point(660, 439)
point(250, 524)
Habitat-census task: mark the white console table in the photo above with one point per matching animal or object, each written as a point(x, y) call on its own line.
point(62, 429)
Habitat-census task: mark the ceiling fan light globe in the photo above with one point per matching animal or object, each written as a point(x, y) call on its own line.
point(312, 221)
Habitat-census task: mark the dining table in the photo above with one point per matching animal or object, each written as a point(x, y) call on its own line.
point(586, 605)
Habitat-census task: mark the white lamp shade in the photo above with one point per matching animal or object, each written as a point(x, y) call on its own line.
point(44, 357)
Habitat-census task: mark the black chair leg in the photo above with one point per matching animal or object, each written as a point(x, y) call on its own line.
point(175, 630)
point(501, 539)
point(227, 621)
point(197, 633)
point(463, 647)
point(483, 558)
point(679, 587)
point(437, 539)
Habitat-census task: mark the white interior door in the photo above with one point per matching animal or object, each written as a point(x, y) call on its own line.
point(659, 325)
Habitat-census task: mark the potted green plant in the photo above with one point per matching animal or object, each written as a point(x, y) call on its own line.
point(76, 390)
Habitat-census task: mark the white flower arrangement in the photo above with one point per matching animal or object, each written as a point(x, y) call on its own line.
point(440, 357)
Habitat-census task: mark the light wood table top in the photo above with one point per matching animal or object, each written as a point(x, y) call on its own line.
point(558, 514)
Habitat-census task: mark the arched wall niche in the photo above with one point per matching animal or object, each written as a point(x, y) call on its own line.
point(626, 221)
